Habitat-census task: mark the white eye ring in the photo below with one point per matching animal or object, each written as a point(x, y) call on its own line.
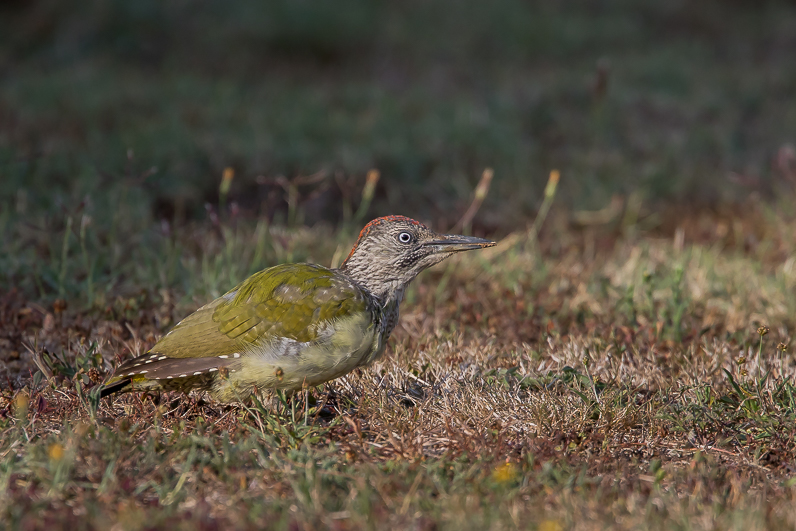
point(404, 237)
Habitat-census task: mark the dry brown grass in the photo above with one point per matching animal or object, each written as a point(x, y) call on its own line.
point(600, 380)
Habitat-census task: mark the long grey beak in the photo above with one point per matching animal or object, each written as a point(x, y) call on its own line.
point(450, 243)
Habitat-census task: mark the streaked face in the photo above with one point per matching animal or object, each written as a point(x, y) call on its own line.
point(396, 249)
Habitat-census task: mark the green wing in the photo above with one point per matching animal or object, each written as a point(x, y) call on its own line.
point(295, 301)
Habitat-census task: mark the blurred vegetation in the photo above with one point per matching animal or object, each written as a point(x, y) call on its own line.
point(117, 120)
point(663, 98)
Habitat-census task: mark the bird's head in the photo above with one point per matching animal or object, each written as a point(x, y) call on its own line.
point(392, 250)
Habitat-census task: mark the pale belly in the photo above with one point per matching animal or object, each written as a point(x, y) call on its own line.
point(291, 365)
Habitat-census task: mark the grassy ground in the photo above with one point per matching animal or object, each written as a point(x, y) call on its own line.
point(600, 377)
point(631, 367)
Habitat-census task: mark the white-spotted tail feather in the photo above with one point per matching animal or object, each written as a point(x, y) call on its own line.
point(155, 366)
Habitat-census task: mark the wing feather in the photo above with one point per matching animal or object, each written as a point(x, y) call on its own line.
point(293, 301)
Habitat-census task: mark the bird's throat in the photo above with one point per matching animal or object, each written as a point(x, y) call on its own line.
point(390, 312)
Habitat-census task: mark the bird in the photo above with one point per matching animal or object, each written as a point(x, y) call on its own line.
point(294, 326)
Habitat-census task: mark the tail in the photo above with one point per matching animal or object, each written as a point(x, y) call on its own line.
point(115, 387)
point(159, 372)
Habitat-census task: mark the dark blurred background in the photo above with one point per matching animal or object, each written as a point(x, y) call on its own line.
point(674, 102)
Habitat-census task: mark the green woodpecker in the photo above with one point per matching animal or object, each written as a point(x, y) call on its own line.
point(295, 325)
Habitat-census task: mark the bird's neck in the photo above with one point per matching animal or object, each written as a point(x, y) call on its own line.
point(390, 312)
point(387, 291)
point(394, 297)
point(387, 294)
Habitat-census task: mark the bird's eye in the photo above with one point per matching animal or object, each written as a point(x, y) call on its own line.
point(404, 237)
